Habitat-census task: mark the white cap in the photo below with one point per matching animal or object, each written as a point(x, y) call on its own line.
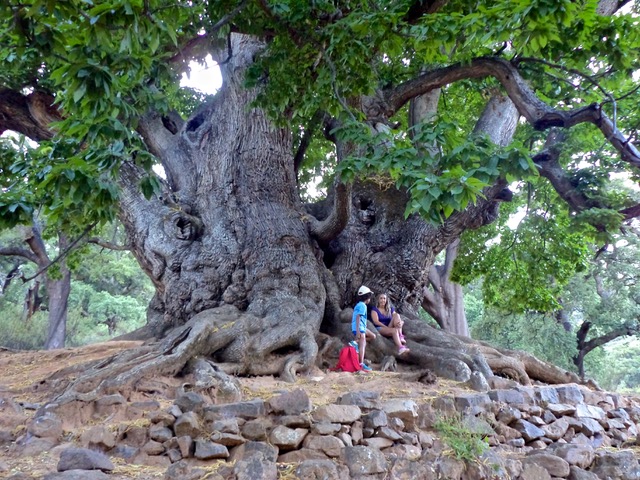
point(363, 290)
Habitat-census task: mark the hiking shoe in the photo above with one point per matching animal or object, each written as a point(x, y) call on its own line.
point(365, 367)
point(402, 350)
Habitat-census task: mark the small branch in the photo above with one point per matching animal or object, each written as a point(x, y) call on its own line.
point(305, 141)
point(108, 245)
point(62, 254)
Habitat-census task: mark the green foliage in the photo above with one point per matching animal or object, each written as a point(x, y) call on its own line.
point(616, 367)
point(464, 443)
point(541, 335)
point(105, 286)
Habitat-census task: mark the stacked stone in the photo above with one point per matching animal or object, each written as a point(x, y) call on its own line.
point(535, 433)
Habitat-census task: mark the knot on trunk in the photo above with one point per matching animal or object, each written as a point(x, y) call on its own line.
point(183, 226)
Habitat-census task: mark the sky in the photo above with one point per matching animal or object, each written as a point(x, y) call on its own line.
point(205, 78)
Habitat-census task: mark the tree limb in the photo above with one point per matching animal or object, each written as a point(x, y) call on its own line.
point(18, 252)
point(108, 245)
point(539, 114)
point(329, 228)
point(612, 335)
point(305, 141)
point(30, 115)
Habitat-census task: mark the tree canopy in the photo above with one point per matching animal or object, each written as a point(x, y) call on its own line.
point(107, 64)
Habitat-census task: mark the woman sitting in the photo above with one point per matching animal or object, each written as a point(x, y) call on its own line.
point(388, 322)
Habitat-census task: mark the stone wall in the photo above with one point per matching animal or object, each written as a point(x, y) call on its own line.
point(535, 433)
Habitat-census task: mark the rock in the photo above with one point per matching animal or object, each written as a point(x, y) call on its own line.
point(245, 450)
point(320, 469)
point(404, 409)
point(581, 456)
point(254, 467)
point(556, 466)
point(336, 414)
point(183, 471)
point(546, 394)
point(207, 450)
point(531, 471)
point(98, 437)
point(364, 461)
point(187, 424)
point(375, 419)
point(153, 448)
point(331, 446)
point(325, 428)
point(191, 402)
point(286, 438)
point(83, 459)
point(138, 410)
point(295, 402)
point(364, 400)
point(301, 455)
point(506, 396)
point(590, 411)
point(46, 426)
point(257, 429)
point(247, 410)
point(529, 431)
point(76, 475)
point(580, 474)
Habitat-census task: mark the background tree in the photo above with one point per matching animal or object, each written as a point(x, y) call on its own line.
point(245, 274)
point(108, 296)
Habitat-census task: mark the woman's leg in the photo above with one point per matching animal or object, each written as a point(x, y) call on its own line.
point(397, 322)
point(393, 333)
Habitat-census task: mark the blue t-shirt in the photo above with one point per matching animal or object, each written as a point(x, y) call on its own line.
point(361, 309)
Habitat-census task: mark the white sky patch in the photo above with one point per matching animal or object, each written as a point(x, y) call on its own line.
point(205, 78)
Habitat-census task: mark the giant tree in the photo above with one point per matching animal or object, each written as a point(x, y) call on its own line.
point(245, 273)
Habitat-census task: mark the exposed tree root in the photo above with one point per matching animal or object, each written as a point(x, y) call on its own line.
point(233, 340)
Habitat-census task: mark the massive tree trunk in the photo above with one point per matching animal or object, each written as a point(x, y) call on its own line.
point(248, 277)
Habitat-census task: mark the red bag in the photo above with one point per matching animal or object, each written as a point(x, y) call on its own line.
point(348, 361)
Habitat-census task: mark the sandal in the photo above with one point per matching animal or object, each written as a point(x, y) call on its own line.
point(403, 350)
point(402, 339)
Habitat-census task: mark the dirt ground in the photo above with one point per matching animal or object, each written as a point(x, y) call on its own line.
point(25, 378)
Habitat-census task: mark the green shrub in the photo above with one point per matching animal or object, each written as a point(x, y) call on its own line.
point(465, 444)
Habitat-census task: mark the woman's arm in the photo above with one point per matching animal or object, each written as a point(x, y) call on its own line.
point(375, 319)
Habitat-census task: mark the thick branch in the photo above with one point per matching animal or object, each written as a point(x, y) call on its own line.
point(603, 339)
point(420, 8)
point(539, 114)
point(30, 115)
point(18, 252)
point(329, 228)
